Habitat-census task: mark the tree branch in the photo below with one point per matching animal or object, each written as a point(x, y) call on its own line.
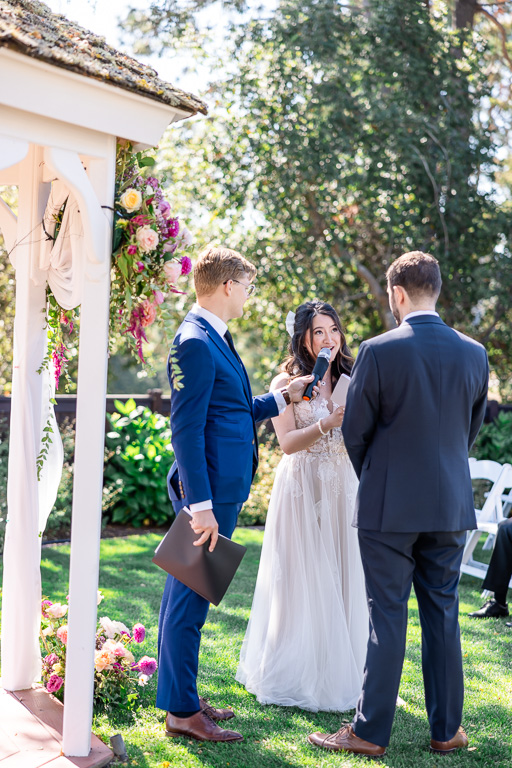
point(320, 227)
point(503, 32)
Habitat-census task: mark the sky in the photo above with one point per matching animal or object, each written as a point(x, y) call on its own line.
point(101, 17)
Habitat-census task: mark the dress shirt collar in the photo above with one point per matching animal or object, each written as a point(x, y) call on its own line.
point(215, 321)
point(420, 312)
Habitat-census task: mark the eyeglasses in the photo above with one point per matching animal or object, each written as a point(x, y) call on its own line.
point(249, 288)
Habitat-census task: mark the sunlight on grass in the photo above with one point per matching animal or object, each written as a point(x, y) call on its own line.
point(276, 737)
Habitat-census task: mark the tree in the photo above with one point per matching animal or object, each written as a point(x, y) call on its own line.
point(345, 138)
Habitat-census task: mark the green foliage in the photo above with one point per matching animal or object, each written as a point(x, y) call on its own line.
point(254, 511)
point(494, 440)
point(340, 138)
point(138, 456)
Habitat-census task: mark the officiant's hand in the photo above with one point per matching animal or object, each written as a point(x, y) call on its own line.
point(297, 386)
point(204, 522)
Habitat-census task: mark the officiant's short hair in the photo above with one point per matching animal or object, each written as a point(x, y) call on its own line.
point(216, 265)
point(417, 272)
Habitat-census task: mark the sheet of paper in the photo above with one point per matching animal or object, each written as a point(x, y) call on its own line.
point(339, 395)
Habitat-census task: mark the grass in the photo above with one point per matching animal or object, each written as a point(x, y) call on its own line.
point(275, 737)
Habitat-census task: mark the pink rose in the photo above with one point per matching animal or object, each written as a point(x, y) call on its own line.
point(147, 313)
point(147, 239)
point(159, 297)
point(132, 250)
point(140, 266)
point(172, 270)
point(54, 684)
point(62, 634)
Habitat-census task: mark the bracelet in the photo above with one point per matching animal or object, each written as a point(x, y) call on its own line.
point(319, 423)
point(286, 395)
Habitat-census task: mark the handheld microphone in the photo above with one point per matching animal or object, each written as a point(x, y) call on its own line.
point(321, 365)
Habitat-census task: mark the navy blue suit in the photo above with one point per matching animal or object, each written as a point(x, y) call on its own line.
point(414, 407)
point(213, 423)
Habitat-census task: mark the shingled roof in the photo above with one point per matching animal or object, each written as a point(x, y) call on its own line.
point(30, 27)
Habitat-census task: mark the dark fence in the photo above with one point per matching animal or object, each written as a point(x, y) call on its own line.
point(66, 404)
point(153, 399)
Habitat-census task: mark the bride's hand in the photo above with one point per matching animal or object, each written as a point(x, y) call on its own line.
point(335, 419)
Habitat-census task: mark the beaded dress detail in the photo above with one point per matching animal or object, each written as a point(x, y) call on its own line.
point(305, 644)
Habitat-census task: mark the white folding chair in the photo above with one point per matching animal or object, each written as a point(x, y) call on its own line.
point(491, 513)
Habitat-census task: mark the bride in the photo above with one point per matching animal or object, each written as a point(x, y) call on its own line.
point(305, 644)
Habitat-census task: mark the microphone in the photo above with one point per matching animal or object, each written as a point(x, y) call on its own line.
point(321, 365)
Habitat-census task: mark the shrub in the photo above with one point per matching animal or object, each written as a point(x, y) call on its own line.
point(138, 456)
point(494, 440)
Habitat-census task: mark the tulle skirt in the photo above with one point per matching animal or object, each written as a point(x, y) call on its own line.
point(305, 643)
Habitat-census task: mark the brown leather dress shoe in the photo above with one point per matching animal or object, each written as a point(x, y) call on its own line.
point(459, 741)
point(215, 713)
point(200, 727)
point(345, 740)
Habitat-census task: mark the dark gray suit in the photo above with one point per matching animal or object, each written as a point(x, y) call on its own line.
point(414, 407)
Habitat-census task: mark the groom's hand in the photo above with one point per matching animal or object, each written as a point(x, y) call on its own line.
point(297, 386)
point(204, 522)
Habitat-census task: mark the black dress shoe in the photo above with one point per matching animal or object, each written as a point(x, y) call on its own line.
point(508, 624)
point(490, 610)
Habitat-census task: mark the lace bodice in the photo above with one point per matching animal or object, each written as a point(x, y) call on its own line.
point(328, 446)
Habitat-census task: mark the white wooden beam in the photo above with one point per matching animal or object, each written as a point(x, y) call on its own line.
point(88, 478)
point(54, 92)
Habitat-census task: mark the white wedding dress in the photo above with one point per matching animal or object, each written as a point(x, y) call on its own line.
point(305, 644)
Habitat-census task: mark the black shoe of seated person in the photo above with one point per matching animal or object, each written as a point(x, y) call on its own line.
point(490, 610)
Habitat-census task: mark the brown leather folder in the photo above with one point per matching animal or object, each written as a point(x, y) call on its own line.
point(207, 573)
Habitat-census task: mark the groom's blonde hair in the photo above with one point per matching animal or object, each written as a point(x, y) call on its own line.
point(417, 272)
point(217, 265)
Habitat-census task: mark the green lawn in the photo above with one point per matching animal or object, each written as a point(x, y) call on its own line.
point(275, 736)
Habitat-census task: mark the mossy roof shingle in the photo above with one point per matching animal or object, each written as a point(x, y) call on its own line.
point(30, 27)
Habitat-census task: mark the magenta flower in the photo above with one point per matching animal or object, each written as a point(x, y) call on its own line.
point(44, 605)
point(173, 228)
point(186, 265)
point(132, 250)
point(147, 665)
point(159, 297)
point(140, 266)
point(51, 659)
point(59, 362)
point(54, 684)
point(139, 633)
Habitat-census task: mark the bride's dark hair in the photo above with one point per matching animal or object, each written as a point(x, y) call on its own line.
point(300, 361)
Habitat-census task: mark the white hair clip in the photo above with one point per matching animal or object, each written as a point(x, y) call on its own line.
point(290, 323)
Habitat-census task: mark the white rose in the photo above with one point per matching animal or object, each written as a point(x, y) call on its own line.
point(57, 610)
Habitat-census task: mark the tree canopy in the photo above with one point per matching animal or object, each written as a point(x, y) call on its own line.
point(342, 136)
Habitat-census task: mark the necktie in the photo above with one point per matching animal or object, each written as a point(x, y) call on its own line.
point(229, 340)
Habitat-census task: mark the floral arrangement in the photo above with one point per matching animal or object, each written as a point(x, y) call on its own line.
point(149, 249)
point(149, 255)
point(117, 677)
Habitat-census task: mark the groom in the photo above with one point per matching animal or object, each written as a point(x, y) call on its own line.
point(213, 423)
point(414, 407)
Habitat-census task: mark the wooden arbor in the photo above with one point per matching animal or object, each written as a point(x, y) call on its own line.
point(65, 98)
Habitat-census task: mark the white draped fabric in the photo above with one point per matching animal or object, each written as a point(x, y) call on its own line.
point(30, 500)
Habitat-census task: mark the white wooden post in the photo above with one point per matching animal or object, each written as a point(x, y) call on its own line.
point(21, 598)
point(88, 477)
